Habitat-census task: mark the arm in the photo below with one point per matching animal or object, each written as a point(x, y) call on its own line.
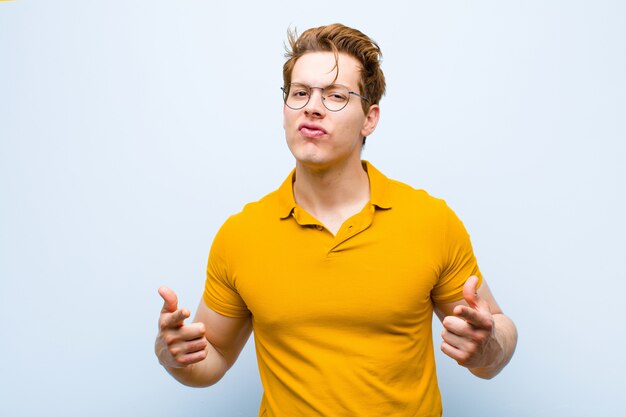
point(200, 353)
point(476, 333)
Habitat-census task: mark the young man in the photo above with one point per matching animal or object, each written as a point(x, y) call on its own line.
point(339, 270)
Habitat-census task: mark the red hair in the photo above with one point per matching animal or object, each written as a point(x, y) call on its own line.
point(338, 38)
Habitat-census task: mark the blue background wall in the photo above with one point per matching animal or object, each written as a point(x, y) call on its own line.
point(124, 146)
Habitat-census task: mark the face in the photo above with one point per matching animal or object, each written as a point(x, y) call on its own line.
point(317, 137)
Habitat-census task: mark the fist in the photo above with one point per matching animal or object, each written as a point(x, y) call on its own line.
point(178, 345)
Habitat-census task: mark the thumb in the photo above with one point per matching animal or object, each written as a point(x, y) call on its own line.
point(470, 293)
point(170, 300)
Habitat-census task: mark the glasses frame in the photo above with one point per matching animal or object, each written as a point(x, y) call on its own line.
point(354, 93)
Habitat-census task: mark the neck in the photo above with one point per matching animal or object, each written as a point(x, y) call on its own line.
point(340, 191)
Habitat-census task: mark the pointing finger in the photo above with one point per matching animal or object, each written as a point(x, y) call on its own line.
point(474, 317)
point(174, 320)
point(179, 316)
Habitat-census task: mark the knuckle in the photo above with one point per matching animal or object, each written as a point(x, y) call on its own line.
point(176, 317)
point(186, 360)
point(481, 338)
point(194, 330)
point(169, 339)
point(200, 345)
point(180, 356)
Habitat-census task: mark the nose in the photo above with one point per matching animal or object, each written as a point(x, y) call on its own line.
point(315, 107)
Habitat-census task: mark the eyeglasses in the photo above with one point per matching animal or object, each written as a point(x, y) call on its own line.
point(334, 97)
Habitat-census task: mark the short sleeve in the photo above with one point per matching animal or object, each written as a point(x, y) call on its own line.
point(220, 293)
point(459, 262)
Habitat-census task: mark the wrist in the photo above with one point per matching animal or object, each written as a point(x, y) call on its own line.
point(491, 361)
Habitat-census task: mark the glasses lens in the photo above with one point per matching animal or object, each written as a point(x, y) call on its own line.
point(336, 97)
point(297, 96)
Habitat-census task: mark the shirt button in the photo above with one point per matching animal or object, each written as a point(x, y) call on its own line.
point(318, 227)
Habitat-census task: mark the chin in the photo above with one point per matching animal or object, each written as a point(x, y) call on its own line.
point(306, 151)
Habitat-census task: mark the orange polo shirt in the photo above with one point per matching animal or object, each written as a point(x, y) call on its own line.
point(343, 324)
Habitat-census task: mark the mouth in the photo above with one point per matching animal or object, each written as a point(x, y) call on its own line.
point(311, 130)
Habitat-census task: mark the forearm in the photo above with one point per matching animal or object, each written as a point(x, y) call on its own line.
point(500, 350)
point(201, 374)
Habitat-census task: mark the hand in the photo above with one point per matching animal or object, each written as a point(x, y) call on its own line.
point(178, 345)
point(469, 335)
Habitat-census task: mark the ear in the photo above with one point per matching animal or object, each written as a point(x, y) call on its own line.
point(371, 120)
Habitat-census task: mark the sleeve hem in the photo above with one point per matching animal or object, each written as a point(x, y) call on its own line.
point(223, 309)
point(457, 297)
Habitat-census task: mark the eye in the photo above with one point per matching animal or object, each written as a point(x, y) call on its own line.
point(336, 94)
point(299, 91)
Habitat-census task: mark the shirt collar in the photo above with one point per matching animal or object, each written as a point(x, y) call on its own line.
point(379, 186)
point(286, 201)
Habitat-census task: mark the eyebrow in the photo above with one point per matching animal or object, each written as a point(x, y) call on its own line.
point(329, 85)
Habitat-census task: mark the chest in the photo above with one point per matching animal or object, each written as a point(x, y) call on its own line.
point(380, 282)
